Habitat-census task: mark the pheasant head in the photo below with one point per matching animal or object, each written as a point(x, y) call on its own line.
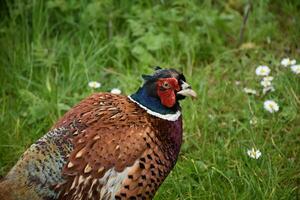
point(161, 92)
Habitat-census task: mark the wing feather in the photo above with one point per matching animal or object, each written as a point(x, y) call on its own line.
point(110, 134)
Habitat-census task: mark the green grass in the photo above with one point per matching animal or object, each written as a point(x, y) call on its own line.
point(51, 49)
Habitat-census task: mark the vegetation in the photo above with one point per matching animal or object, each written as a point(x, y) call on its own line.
point(50, 50)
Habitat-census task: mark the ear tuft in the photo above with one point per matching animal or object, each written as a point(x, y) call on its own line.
point(157, 68)
point(146, 77)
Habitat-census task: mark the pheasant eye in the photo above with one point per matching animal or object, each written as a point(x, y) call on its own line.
point(166, 85)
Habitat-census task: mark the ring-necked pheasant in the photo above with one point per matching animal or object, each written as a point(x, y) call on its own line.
point(107, 147)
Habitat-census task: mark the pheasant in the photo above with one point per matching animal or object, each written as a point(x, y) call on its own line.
point(108, 146)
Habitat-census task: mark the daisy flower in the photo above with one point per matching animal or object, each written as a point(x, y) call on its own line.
point(254, 153)
point(262, 70)
point(94, 84)
point(296, 69)
point(271, 106)
point(266, 83)
point(115, 91)
point(268, 89)
point(287, 62)
point(250, 91)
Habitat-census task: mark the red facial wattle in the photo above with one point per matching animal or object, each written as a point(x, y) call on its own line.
point(167, 95)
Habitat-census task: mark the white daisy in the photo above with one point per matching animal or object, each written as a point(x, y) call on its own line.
point(262, 71)
point(94, 84)
point(287, 62)
point(254, 153)
point(296, 69)
point(250, 91)
point(115, 91)
point(268, 89)
point(266, 83)
point(271, 106)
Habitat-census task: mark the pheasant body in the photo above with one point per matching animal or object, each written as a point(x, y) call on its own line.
point(106, 147)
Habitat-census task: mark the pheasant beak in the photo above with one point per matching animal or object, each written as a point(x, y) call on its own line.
point(187, 90)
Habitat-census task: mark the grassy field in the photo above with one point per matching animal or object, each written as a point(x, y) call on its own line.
point(50, 50)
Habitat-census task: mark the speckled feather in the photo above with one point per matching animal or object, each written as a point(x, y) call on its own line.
point(106, 147)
